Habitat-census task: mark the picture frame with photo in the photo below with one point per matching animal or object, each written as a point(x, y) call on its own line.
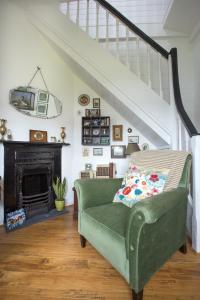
point(88, 167)
point(92, 113)
point(97, 151)
point(22, 99)
point(117, 132)
point(85, 151)
point(96, 102)
point(133, 139)
point(118, 151)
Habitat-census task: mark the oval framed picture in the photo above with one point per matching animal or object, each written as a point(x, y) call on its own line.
point(83, 99)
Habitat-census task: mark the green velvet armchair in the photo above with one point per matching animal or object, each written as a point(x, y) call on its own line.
point(137, 241)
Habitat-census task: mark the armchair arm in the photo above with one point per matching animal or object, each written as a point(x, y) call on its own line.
point(156, 229)
point(153, 208)
point(94, 192)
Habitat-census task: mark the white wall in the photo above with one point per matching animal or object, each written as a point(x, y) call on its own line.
point(22, 49)
point(106, 110)
point(185, 66)
point(196, 70)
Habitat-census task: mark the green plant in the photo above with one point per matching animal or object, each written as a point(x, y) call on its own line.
point(59, 188)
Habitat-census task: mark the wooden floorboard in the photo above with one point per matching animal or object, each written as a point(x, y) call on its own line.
point(45, 261)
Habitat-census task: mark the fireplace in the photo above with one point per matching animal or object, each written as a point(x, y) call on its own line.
point(29, 169)
point(33, 187)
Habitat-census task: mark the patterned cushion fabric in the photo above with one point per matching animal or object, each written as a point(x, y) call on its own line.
point(140, 183)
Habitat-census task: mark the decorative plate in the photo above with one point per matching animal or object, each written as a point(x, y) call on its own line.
point(83, 99)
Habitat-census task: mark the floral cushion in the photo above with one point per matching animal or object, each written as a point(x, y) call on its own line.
point(139, 184)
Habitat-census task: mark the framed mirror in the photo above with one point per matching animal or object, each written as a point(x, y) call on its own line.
point(35, 102)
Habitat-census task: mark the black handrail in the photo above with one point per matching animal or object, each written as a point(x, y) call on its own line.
point(177, 95)
point(134, 28)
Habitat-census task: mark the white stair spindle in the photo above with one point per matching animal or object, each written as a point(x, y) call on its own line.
point(160, 75)
point(87, 16)
point(97, 21)
point(148, 67)
point(107, 28)
point(78, 12)
point(127, 47)
point(117, 37)
point(138, 56)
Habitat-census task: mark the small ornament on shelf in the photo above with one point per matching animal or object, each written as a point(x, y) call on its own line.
point(63, 134)
point(9, 135)
point(3, 128)
point(53, 139)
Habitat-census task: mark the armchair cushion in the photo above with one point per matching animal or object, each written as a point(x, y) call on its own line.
point(140, 184)
point(105, 227)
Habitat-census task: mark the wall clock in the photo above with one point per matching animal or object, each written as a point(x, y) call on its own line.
point(38, 136)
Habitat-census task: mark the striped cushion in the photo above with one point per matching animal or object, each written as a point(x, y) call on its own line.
point(160, 159)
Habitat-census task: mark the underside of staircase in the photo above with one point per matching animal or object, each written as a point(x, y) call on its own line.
point(129, 95)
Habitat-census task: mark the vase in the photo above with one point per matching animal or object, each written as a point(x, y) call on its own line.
point(60, 205)
point(2, 128)
point(63, 134)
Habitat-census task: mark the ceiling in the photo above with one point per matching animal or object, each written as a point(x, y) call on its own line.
point(184, 16)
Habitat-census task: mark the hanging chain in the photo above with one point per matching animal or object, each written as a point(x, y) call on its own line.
point(38, 70)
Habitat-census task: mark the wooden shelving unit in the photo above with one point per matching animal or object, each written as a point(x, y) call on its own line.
point(96, 131)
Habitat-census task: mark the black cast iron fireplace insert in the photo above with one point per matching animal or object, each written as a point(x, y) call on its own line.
point(33, 187)
point(29, 169)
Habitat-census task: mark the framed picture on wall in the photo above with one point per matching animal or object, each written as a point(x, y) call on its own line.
point(92, 112)
point(97, 151)
point(117, 132)
point(118, 151)
point(133, 139)
point(96, 102)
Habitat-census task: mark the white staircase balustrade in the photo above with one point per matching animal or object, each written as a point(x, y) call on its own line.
point(124, 44)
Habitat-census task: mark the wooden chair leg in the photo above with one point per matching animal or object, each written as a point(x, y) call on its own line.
point(83, 241)
point(137, 296)
point(183, 249)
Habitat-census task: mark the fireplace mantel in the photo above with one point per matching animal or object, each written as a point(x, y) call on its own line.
point(35, 143)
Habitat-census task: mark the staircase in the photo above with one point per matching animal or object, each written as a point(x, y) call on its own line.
point(106, 75)
point(128, 47)
point(128, 69)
